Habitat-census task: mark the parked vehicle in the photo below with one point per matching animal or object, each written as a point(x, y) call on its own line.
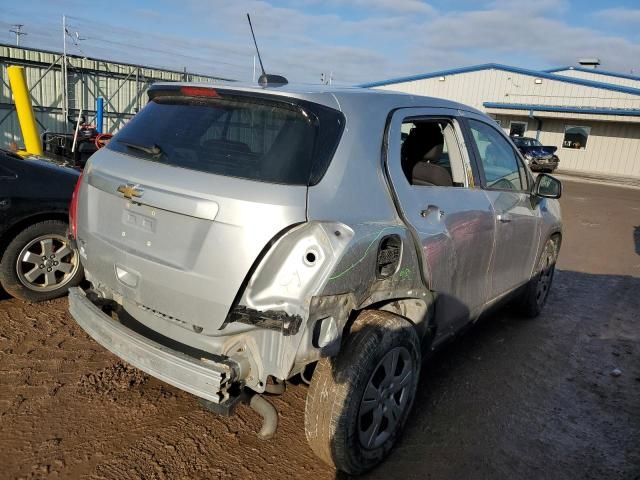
point(37, 261)
point(537, 156)
point(246, 233)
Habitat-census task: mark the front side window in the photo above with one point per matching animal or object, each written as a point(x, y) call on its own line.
point(502, 169)
point(576, 137)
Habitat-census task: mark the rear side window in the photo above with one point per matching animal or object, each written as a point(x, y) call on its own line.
point(236, 136)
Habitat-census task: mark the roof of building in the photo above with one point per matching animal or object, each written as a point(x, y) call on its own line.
point(594, 70)
point(507, 68)
point(10, 48)
point(631, 112)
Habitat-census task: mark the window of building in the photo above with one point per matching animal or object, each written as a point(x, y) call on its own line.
point(575, 137)
point(430, 154)
point(502, 168)
point(518, 128)
point(498, 121)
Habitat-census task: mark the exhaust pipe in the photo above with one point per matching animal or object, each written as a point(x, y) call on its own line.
point(269, 416)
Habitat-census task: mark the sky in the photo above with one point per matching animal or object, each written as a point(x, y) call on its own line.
point(356, 40)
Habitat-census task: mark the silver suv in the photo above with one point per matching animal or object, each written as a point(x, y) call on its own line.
point(236, 237)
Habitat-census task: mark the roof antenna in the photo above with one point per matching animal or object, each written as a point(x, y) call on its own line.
point(265, 79)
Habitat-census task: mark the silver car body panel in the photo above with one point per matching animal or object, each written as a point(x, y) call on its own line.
point(197, 249)
point(185, 246)
point(455, 227)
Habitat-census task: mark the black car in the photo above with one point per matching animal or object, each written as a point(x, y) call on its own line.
point(539, 157)
point(37, 261)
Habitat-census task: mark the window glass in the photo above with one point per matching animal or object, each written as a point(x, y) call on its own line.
point(576, 137)
point(240, 137)
point(430, 154)
point(518, 128)
point(502, 169)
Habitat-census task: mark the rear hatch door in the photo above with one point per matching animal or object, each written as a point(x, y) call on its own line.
point(180, 205)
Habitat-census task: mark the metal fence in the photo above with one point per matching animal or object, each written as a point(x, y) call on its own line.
point(121, 85)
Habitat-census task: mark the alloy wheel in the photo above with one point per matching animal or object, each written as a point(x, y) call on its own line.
point(47, 263)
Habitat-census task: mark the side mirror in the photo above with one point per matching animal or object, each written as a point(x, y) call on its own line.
point(547, 186)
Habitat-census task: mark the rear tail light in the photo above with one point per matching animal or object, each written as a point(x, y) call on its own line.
point(73, 208)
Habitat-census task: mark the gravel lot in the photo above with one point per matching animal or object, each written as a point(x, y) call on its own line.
point(511, 398)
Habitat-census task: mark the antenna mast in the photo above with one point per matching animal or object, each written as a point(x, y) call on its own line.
point(264, 80)
point(256, 44)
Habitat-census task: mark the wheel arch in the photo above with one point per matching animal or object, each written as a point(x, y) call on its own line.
point(419, 312)
point(10, 233)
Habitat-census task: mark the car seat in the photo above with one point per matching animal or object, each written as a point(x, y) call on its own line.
point(420, 153)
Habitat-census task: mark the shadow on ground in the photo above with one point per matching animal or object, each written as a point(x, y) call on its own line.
point(519, 398)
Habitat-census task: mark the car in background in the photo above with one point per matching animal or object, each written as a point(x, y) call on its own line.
point(539, 157)
point(37, 260)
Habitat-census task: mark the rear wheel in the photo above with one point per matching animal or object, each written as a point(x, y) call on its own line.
point(537, 290)
point(40, 263)
point(359, 401)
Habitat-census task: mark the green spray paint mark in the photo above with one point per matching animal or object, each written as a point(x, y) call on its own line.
point(335, 277)
point(405, 273)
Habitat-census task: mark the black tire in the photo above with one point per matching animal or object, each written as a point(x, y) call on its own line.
point(13, 275)
point(537, 290)
point(333, 417)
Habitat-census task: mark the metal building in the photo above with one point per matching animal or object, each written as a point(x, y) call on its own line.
point(591, 115)
point(121, 85)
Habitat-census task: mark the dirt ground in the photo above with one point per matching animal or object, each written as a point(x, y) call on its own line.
point(511, 398)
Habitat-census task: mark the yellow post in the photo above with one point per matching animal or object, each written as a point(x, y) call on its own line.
point(24, 108)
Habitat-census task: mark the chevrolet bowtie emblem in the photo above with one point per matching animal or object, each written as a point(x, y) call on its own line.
point(130, 191)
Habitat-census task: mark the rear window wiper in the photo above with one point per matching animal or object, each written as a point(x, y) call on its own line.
point(153, 150)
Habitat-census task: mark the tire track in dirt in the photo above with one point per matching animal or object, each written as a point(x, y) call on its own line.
point(512, 398)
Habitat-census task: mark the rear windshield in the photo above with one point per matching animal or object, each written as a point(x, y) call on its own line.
point(236, 136)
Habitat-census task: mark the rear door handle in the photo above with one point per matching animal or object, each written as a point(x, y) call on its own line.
point(432, 209)
point(504, 217)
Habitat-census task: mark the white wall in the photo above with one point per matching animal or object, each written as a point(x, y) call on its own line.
point(612, 147)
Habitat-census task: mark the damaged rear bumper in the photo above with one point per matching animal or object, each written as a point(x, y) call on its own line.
point(204, 378)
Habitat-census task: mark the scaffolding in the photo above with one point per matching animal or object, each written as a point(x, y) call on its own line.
point(122, 86)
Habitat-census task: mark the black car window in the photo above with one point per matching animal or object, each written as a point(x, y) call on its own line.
point(236, 136)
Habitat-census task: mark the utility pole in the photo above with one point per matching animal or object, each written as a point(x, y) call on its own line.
point(17, 29)
point(65, 112)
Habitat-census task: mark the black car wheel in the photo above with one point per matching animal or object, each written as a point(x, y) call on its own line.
point(40, 263)
point(537, 290)
point(359, 401)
